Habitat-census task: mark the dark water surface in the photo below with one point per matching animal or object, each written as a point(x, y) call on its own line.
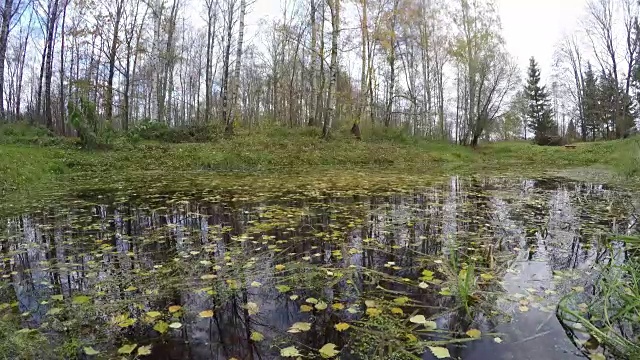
point(232, 274)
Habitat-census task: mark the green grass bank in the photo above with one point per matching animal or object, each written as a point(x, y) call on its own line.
point(30, 159)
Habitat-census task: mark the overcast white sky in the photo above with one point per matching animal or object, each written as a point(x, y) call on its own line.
point(534, 27)
point(530, 27)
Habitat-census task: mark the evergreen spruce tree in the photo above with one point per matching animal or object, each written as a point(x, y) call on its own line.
point(539, 112)
point(591, 98)
point(572, 132)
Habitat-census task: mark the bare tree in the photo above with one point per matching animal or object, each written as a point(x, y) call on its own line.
point(334, 7)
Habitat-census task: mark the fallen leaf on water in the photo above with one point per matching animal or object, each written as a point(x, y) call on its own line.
point(373, 312)
point(294, 297)
point(161, 327)
point(127, 349)
point(90, 351)
point(175, 325)
point(299, 327)
point(321, 305)
point(597, 356)
point(154, 314)
point(486, 277)
point(252, 308)
point(174, 308)
point(280, 267)
point(312, 300)
point(401, 300)
point(524, 308)
point(337, 306)
point(144, 350)
point(291, 351)
point(397, 311)
point(497, 340)
point(418, 319)
point(342, 326)
point(474, 333)
point(440, 352)
point(206, 314)
point(306, 308)
point(423, 285)
point(256, 284)
point(328, 351)
point(256, 336)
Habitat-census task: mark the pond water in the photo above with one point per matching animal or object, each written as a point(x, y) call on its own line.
point(472, 268)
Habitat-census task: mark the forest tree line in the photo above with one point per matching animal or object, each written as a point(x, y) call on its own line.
point(438, 69)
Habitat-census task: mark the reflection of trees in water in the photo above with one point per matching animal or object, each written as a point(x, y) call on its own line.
point(68, 253)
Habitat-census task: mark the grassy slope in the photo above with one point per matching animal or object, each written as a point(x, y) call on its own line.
point(24, 165)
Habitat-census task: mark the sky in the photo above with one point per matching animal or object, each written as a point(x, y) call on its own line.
point(534, 27)
point(530, 27)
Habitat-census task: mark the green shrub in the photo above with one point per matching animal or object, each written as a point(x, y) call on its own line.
point(84, 120)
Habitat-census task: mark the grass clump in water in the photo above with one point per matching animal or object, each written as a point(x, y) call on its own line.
point(609, 315)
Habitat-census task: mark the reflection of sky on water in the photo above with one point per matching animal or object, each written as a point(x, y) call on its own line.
point(534, 227)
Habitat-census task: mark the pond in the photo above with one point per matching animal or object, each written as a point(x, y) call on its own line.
point(460, 267)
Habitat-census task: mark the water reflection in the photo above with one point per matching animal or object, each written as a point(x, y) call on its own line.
point(132, 255)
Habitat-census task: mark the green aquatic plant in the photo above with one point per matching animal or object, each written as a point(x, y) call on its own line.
point(610, 313)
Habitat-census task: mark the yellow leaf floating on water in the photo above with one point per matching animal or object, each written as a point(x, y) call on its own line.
point(401, 300)
point(253, 308)
point(497, 340)
point(445, 292)
point(306, 308)
point(174, 308)
point(486, 277)
point(161, 327)
point(144, 350)
point(328, 351)
point(423, 285)
point(418, 319)
point(321, 305)
point(397, 311)
point(524, 308)
point(154, 314)
point(90, 351)
point(440, 352)
point(280, 267)
point(312, 300)
point(175, 325)
point(370, 303)
point(127, 349)
point(206, 314)
point(597, 356)
point(299, 327)
point(256, 284)
point(294, 297)
point(337, 306)
point(474, 333)
point(342, 326)
point(373, 312)
point(291, 351)
point(256, 336)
